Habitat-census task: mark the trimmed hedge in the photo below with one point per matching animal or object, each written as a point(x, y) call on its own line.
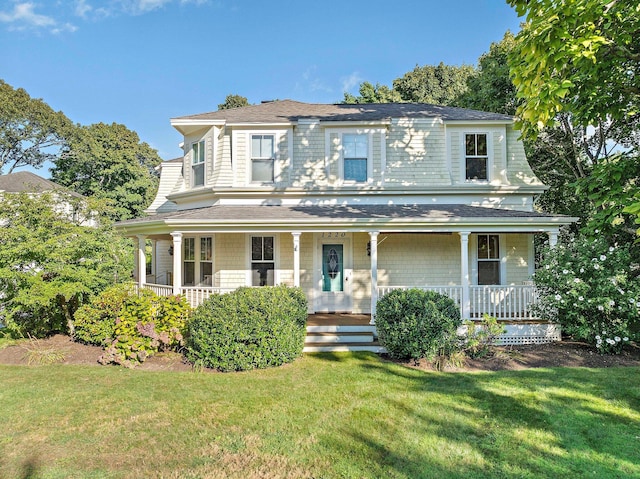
point(248, 328)
point(415, 324)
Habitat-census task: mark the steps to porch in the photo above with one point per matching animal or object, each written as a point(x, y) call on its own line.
point(340, 332)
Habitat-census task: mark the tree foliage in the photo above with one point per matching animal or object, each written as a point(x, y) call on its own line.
point(233, 101)
point(51, 262)
point(370, 93)
point(30, 131)
point(110, 162)
point(579, 57)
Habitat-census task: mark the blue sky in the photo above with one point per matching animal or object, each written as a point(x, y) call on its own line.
point(141, 62)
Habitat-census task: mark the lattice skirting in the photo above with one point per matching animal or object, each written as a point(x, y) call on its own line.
point(530, 334)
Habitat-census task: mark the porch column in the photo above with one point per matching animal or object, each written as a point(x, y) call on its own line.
point(373, 238)
point(296, 258)
point(142, 261)
point(464, 274)
point(553, 237)
point(177, 262)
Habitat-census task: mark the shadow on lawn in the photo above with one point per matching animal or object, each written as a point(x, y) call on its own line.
point(533, 423)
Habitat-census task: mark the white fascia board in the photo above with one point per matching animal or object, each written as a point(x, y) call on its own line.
point(354, 124)
point(260, 124)
point(195, 122)
point(479, 122)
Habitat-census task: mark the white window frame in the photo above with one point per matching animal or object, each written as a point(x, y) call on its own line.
point(355, 131)
point(276, 257)
point(200, 144)
point(502, 256)
point(273, 158)
point(197, 259)
point(463, 150)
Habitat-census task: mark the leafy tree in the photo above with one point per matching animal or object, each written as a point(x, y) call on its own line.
point(233, 101)
point(373, 94)
point(30, 131)
point(110, 162)
point(441, 84)
point(51, 262)
point(580, 57)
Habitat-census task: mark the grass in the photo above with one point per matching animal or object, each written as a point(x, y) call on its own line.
point(325, 416)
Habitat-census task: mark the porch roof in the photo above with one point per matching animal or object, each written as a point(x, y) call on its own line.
point(418, 217)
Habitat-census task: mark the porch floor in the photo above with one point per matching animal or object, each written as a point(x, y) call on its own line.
point(338, 319)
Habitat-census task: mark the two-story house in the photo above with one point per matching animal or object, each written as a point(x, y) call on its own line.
point(348, 202)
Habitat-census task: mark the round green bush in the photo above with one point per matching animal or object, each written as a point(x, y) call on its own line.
point(415, 324)
point(248, 328)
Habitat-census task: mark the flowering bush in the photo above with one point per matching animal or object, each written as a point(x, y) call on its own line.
point(586, 285)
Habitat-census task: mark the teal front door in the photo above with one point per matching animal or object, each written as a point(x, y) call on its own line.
point(332, 268)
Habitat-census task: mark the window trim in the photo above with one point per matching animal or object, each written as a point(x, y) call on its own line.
point(341, 150)
point(249, 259)
point(202, 163)
point(463, 166)
point(502, 257)
point(252, 158)
point(197, 248)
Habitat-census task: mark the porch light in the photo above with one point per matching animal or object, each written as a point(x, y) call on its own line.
point(170, 250)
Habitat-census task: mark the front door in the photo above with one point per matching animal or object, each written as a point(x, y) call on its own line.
point(335, 270)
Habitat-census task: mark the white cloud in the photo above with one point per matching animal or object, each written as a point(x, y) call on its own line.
point(23, 15)
point(83, 8)
point(138, 7)
point(351, 81)
point(311, 82)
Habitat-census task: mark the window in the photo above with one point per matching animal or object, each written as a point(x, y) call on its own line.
point(355, 157)
point(206, 261)
point(189, 261)
point(262, 158)
point(197, 163)
point(262, 262)
point(488, 259)
point(476, 156)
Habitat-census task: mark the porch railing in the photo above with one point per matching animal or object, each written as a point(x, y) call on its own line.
point(502, 302)
point(196, 295)
point(160, 289)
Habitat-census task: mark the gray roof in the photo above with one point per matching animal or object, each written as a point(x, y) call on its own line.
point(25, 181)
point(334, 214)
point(286, 111)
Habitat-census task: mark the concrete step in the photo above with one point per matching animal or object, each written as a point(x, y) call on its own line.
point(373, 347)
point(334, 328)
point(341, 337)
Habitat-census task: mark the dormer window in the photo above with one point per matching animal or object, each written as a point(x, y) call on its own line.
point(476, 157)
point(355, 158)
point(197, 164)
point(262, 158)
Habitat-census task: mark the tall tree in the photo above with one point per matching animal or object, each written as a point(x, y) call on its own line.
point(370, 93)
point(30, 131)
point(233, 101)
point(110, 162)
point(578, 57)
point(438, 84)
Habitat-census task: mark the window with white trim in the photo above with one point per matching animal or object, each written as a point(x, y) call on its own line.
point(197, 163)
point(262, 158)
point(355, 157)
point(488, 259)
point(262, 261)
point(197, 261)
point(189, 261)
point(476, 157)
point(206, 261)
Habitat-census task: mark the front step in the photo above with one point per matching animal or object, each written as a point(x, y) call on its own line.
point(335, 338)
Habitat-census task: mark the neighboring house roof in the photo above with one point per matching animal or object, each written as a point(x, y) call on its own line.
point(286, 111)
point(348, 215)
point(25, 181)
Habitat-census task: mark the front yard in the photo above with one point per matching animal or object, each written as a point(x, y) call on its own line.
point(324, 416)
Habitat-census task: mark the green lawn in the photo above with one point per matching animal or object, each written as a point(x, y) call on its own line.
point(325, 416)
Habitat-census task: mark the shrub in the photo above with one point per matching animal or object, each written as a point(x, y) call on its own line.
point(479, 338)
point(147, 323)
point(588, 287)
point(95, 322)
point(417, 324)
point(248, 328)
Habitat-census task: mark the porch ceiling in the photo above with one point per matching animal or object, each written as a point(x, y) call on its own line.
point(388, 218)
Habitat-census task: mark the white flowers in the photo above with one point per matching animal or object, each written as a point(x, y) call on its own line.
point(612, 303)
point(582, 270)
point(596, 266)
point(565, 271)
point(611, 249)
point(580, 298)
point(602, 257)
point(576, 280)
point(600, 307)
point(558, 297)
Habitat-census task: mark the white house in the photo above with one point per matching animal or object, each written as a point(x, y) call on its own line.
point(349, 202)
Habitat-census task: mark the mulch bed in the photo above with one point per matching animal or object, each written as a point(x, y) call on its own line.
point(558, 354)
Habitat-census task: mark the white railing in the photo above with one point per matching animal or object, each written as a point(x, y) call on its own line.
point(454, 292)
point(502, 302)
point(196, 294)
point(159, 289)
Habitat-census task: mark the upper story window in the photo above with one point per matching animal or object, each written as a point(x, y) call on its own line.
point(355, 159)
point(476, 156)
point(197, 164)
point(262, 158)
point(488, 259)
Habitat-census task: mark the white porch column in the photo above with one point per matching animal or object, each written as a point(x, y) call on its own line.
point(373, 238)
point(553, 237)
point(177, 262)
point(296, 258)
point(464, 274)
point(142, 261)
